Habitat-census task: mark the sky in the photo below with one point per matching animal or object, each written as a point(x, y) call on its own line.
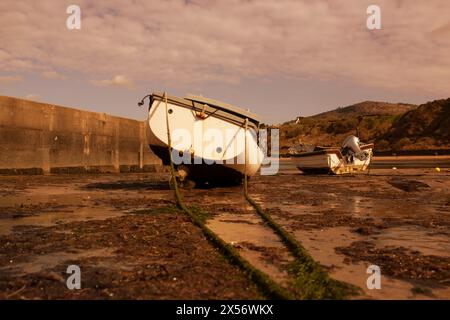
point(278, 58)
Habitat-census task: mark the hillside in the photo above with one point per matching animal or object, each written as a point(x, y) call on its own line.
point(366, 108)
point(391, 126)
point(427, 126)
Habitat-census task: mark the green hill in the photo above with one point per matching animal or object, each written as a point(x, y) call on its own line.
point(425, 127)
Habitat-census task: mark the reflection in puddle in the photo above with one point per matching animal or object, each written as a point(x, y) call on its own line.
point(51, 260)
point(55, 205)
point(240, 232)
point(52, 218)
point(414, 238)
point(54, 195)
point(321, 244)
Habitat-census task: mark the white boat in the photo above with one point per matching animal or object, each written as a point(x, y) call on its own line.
point(351, 157)
point(207, 136)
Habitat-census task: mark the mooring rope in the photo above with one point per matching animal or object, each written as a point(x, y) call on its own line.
point(267, 286)
point(178, 198)
point(315, 283)
point(291, 243)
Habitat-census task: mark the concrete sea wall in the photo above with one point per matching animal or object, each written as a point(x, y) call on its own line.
point(38, 138)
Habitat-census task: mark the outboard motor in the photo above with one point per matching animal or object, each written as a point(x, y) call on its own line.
point(350, 148)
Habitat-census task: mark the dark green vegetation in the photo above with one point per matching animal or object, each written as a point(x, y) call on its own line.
point(420, 290)
point(426, 126)
point(310, 281)
point(390, 126)
point(266, 285)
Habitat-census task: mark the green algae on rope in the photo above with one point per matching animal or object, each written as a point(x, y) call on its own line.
point(265, 284)
point(310, 280)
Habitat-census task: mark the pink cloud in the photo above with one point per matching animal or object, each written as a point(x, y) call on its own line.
point(50, 74)
point(10, 79)
point(116, 81)
point(33, 97)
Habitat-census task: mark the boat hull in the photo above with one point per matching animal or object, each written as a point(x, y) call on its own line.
point(331, 161)
point(205, 158)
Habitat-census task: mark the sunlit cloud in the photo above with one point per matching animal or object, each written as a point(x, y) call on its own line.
point(50, 74)
point(116, 81)
point(10, 79)
point(33, 97)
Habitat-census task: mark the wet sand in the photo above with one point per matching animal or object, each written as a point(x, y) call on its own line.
point(130, 243)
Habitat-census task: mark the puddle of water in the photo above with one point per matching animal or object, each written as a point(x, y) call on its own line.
point(60, 198)
point(48, 219)
point(321, 243)
point(374, 207)
point(358, 206)
point(232, 229)
point(55, 190)
point(51, 260)
point(240, 232)
point(60, 204)
point(414, 238)
point(256, 259)
point(64, 195)
point(297, 209)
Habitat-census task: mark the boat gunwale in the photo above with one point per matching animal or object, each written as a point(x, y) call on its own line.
point(318, 152)
point(330, 150)
point(213, 110)
point(366, 146)
point(223, 106)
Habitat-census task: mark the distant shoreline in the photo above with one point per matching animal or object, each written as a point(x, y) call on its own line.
point(403, 161)
point(430, 152)
point(412, 157)
point(402, 153)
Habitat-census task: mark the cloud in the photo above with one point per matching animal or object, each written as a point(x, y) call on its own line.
point(34, 97)
point(179, 42)
point(116, 81)
point(50, 74)
point(10, 79)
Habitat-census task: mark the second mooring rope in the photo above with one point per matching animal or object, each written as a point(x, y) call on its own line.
point(314, 282)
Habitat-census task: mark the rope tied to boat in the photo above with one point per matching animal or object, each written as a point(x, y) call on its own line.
point(268, 287)
point(172, 167)
point(202, 114)
point(315, 282)
point(245, 157)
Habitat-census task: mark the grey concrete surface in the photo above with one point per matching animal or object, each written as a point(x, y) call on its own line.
point(39, 138)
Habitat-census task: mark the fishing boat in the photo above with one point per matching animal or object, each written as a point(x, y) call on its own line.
point(212, 142)
point(351, 157)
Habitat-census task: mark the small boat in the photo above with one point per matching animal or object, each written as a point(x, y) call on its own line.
point(352, 156)
point(212, 142)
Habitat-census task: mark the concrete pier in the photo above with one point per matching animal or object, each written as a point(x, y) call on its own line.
point(39, 138)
